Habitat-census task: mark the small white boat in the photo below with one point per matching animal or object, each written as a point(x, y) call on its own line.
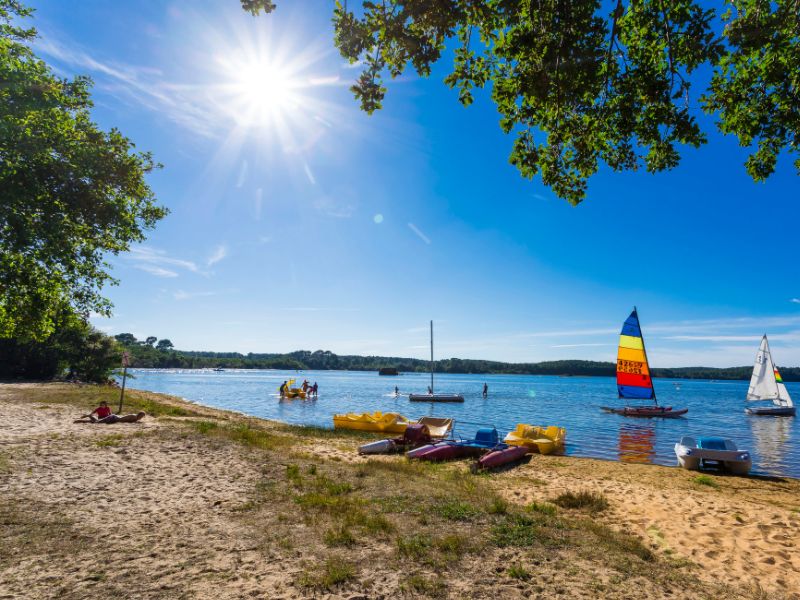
point(766, 385)
point(712, 452)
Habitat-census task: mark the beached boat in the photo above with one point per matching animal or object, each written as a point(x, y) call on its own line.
point(766, 385)
point(414, 436)
point(377, 421)
point(498, 458)
point(712, 452)
point(485, 439)
point(432, 396)
point(544, 440)
point(633, 375)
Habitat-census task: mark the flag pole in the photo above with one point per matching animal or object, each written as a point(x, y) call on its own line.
point(125, 360)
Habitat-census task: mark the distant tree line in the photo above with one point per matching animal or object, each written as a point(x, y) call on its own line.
point(160, 354)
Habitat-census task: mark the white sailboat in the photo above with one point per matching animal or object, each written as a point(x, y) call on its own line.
point(431, 396)
point(766, 385)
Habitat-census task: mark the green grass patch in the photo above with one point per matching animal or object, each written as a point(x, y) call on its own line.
point(516, 530)
point(497, 506)
point(454, 510)
point(248, 434)
point(336, 570)
point(517, 571)
point(109, 441)
point(593, 502)
point(705, 480)
point(616, 542)
point(436, 552)
point(314, 431)
point(134, 403)
point(373, 524)
point(421, 586)
point(339, 536)
point(544, 508)
point(416, 546)
point(205, 427)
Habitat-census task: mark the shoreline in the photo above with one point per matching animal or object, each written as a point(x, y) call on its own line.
point(253, 482)
point(402, 373)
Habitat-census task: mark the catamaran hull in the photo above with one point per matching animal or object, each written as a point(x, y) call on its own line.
point(450, 452)
point(666, 412)
point(498, 458)
point(436, 397)
point(773, 411)
point(379, 447)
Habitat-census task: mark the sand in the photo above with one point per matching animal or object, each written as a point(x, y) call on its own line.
point(142, 511)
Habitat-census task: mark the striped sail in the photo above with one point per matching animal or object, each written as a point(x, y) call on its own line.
point(633, 372)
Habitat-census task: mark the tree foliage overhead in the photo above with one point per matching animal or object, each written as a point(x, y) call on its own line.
point(69, 192)
point(582, 83)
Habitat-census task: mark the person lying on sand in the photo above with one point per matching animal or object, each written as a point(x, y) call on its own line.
point(104, 415)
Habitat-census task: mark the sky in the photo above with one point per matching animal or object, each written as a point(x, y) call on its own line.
point(298, 221)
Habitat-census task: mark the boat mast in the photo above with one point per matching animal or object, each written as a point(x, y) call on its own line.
point(650, 373)
point(431, 356)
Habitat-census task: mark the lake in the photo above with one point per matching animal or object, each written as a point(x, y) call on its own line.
point(715, 408)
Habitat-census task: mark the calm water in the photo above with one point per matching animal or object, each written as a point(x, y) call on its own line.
point(715, 408)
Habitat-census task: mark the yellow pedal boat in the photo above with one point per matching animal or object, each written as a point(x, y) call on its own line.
point(292, 392)
point(544, 440)
point(377, 421)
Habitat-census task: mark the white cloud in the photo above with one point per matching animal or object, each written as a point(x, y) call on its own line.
point(578, 345)
point(795, 300)
point(217, 255)
point(158, 262)
point(183, 295)
point(155, 270)
point(137, 85)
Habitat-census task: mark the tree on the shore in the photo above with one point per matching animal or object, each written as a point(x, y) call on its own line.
point(582, 83)
point(70, 193)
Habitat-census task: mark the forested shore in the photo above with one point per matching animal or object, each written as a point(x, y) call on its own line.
point(161, 356)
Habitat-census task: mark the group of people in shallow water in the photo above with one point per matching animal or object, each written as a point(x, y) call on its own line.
point(310, 390)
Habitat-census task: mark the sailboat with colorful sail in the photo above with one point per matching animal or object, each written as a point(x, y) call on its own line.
point(633, 375)
point(766, 385)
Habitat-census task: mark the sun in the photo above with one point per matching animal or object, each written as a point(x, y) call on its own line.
point(261, 92)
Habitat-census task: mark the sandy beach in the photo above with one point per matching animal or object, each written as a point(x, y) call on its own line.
point(194, 502)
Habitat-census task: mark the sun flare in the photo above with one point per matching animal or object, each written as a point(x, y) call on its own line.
point(264, 90)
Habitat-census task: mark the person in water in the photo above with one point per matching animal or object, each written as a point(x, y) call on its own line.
point(485, 390)
point(283, 389)
point(103, 414)
point(305, 385)
point(314, 389)
point(396, 391)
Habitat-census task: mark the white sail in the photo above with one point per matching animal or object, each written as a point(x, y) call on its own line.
point(762, 383)
point(784, 399)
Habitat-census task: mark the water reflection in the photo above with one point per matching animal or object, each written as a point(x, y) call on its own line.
point(770, 435)
point(637, 443)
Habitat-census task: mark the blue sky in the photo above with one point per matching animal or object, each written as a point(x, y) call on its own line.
point(299, 222)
